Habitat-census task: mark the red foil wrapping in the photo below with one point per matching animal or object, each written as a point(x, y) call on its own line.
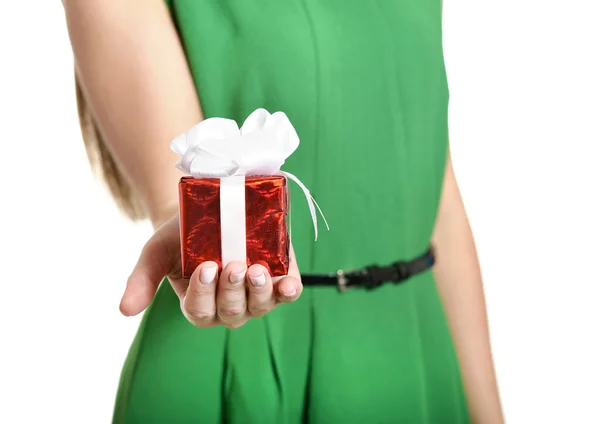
point(267, 240)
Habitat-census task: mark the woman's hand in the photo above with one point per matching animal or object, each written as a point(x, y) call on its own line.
point(207, 299)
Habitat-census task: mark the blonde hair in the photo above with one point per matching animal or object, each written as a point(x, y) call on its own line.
point(103, 163)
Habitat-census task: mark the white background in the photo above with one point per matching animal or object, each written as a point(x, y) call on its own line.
point(525, 129)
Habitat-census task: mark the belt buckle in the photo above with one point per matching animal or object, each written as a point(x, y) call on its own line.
point(342, 281)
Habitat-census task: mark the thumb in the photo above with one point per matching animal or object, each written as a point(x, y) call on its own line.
point(156, 261)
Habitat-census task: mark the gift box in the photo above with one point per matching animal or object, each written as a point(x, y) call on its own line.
point(266, 232)
point(234, 201)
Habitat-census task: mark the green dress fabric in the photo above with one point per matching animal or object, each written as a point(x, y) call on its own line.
point(364, 84)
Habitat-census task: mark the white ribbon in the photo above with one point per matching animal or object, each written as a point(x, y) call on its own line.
point(217, 148)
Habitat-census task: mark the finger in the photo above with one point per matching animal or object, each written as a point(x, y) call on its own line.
point(198, 304)
point(155, 261)
point(260, 291)
point(231, 295)
point(288, 289)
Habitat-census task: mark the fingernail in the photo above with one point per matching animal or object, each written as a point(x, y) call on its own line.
point(237, 277)
point(208, 274)
point(258, 281)
point(289, 293)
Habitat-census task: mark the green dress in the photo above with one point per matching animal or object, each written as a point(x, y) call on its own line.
point(364, 84)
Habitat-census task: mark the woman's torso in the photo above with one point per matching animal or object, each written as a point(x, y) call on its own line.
point(365, 86)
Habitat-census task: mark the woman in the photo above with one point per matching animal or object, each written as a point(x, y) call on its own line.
point(365, 86)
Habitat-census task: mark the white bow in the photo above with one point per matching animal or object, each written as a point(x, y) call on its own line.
point(217, 148)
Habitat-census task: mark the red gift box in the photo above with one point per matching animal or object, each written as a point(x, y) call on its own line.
point(267, 238)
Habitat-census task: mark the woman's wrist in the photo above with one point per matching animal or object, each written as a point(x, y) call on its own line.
point(159, 215)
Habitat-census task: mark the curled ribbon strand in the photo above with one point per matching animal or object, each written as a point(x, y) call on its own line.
point(311, 203)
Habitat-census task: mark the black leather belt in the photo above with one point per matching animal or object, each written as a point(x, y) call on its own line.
point(374, 275)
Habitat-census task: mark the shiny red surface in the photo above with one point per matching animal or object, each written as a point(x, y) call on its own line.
point(267, 240)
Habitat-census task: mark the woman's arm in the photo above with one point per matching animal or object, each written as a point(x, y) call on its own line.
point(133, 70)
point(459, 283)
point(136, 79)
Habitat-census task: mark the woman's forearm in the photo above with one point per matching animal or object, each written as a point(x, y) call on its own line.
point(136, 79)
point(459, 283)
